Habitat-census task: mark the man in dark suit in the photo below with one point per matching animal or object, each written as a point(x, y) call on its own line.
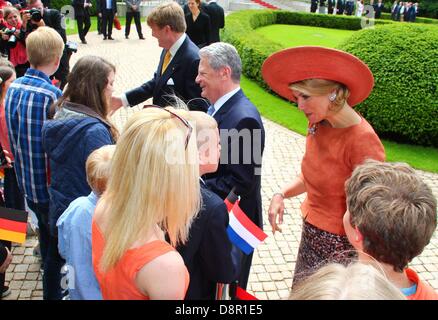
point(331, 6)
point(107, 10)
point(313, 6)
point(349, 7)
point(378, 7)
point(207, 253)
point(133, 11)
point(82, 16)
point(217, 19)
point(52, 18)
point(242, 135)
point(340, 7)
point(178, 66)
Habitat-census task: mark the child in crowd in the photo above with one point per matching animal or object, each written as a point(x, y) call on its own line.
point(74, 228)
point(207, 253)
point(391, 216)
point(26, 108)
point(356, 281)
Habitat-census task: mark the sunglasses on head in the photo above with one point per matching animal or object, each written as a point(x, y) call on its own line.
point(173, 114)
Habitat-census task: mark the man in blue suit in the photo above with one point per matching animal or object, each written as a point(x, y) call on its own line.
point(241, 131)
point(178, 66)
point(207, 253)
point(107, 9)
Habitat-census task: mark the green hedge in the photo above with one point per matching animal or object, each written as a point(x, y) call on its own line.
point(404, 60)
point(254, 48)
point(402, 56)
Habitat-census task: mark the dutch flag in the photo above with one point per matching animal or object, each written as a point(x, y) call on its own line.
point(243, 233)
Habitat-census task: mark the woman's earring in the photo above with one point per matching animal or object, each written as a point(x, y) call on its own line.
point(332, 97)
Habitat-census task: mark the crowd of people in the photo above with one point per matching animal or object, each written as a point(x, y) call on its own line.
point(400, 11)
point(140, 213)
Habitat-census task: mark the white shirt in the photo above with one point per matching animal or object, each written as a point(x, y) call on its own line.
point(109, 4)
point(173, 50)
point(221, 101)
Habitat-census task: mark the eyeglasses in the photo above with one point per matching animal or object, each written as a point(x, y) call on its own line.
point(184, 121)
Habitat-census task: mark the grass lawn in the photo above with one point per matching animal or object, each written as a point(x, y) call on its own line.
point(292, 36)
point(72, 27)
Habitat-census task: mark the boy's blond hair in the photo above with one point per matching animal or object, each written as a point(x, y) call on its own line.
point(98, 168)
point(44, 46)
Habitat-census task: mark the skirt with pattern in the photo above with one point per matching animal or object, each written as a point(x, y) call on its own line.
point(318, 248)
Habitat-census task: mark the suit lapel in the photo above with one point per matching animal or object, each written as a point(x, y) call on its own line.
point(220, 115)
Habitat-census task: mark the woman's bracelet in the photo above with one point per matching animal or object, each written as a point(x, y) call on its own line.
point(281, 194)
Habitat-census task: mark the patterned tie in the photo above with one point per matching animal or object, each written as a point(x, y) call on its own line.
point(166, 61)
point(210, 110)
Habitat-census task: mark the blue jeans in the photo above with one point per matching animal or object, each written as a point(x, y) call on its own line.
point(52, 261)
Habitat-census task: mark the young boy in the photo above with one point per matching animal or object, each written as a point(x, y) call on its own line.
point(26, 108)
point(74, 229)
point(391, 216)
point(207, 253)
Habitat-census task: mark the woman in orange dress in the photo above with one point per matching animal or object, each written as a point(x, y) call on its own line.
point(153, 189)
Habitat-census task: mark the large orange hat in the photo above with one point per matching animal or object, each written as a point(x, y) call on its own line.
point(285, 67)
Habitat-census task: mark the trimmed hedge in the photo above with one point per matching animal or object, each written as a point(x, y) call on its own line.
point(402, 56)
point(254, 48)
point(404, 60)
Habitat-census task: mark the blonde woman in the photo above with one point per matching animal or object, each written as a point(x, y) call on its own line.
point(153, 188)
point(356, 281)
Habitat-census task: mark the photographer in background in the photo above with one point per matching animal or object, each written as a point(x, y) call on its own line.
point(13, 36)
point(51, 18)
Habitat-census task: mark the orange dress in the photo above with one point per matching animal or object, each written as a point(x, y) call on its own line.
point(119, 282)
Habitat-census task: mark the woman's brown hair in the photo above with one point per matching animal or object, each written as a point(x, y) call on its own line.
point(86, 85)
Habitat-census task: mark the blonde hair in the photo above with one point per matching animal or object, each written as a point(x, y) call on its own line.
point(395, 211)
point(44, 46)
point(356, 281)
point(147, 188)
point(9, 10)
point(168, 14)
point(320, 87)
point(98, 167)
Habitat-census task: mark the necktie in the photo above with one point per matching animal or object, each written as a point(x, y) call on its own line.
point(210, 110)
point(166, 61)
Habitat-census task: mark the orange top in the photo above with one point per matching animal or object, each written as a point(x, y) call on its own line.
point(424, 291)
point(330, 157)
point(119, 282)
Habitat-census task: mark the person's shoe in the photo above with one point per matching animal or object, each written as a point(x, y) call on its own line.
point(110, 38)
point(6, 292)
point(141, 38)
point(104, 38)
point(126, 37)
point(84, 41)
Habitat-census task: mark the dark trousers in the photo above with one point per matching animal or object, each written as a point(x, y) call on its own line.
point(3, 245)
point(99, 25)
point(136, 16)
point(84, 24)
point(107, 22)
point(349, 7)
point(52, 262)
point(242, 264)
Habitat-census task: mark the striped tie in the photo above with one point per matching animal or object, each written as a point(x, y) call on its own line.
point(210, 110)
point(166, 61)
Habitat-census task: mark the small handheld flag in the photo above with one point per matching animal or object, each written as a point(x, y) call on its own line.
point(243, 233)
point(13, 225)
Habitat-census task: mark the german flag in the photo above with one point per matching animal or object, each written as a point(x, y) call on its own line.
point(13, 225)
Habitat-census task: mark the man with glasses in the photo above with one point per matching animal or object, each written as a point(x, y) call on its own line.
point(241, 132)
point(178, 66)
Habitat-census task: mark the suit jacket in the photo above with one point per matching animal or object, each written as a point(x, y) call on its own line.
point(240, 114)
point(207, 253)
point(80, 11)
point(130, 3)
point(182, 71)
point(101, 6)
point(217, 20)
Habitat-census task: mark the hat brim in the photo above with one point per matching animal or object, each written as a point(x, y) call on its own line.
point(288, 66)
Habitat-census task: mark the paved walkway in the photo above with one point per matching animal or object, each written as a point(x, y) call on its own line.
point(274, 260)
